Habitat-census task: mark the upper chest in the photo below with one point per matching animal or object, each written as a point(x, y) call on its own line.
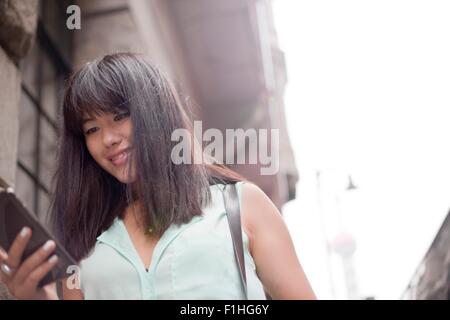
point(143, 243)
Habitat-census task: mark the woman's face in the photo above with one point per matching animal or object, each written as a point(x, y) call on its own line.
point(108, 140)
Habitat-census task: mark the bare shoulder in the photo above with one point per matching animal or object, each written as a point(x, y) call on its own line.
point(251, 191)
point(257, 208)
point(271, 247)
point(257, 211)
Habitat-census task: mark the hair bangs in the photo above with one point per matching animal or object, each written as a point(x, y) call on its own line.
point(92, 92)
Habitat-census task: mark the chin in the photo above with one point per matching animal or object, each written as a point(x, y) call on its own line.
point(122, 174)
point(122, 179)
point(125, 177)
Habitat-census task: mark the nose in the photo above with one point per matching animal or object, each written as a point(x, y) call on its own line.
point(111, 137)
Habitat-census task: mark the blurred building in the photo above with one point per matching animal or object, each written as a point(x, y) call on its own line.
point(431, 280)
point(222, 56)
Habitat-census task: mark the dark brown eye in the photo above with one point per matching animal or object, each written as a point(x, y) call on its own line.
point(91, 130)
point(121, 116)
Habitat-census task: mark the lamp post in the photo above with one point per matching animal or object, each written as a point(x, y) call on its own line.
point(351, 185)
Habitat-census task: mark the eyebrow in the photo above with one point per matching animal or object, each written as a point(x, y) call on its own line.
point(86, 120)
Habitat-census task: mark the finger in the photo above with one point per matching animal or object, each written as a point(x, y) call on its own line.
point(3, 257)
point(34, 277)
point(33, 261)
point(17, 248)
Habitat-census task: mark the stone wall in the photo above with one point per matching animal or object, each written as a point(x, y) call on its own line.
point(18, 21)
point(435, 281)
point(432, 278)
point(9, 121)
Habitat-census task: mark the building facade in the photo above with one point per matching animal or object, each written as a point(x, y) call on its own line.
point(431, 281)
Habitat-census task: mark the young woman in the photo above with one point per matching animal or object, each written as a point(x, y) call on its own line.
point(141, 226)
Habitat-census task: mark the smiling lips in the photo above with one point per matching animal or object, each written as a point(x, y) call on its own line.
point(121, 158)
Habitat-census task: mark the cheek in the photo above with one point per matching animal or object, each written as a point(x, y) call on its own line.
point(94, 151)
point(127, 128)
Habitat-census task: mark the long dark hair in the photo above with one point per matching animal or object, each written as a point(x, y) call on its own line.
point(86, 199)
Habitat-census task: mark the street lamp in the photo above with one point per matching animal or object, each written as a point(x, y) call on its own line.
point(351, 185)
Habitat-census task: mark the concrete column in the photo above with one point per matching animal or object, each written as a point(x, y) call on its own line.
point(18, 20)
point(9, 120)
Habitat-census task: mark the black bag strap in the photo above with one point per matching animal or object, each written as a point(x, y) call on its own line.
point(59, 289)
point(231, 200)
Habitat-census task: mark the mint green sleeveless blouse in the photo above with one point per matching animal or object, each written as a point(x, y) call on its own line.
point(191, 261)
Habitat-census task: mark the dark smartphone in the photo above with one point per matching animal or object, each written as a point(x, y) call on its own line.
point(13, 217)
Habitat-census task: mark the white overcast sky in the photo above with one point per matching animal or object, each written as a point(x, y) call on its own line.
point(368, 94)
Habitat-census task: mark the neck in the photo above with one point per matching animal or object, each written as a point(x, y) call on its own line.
point(134, 212)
